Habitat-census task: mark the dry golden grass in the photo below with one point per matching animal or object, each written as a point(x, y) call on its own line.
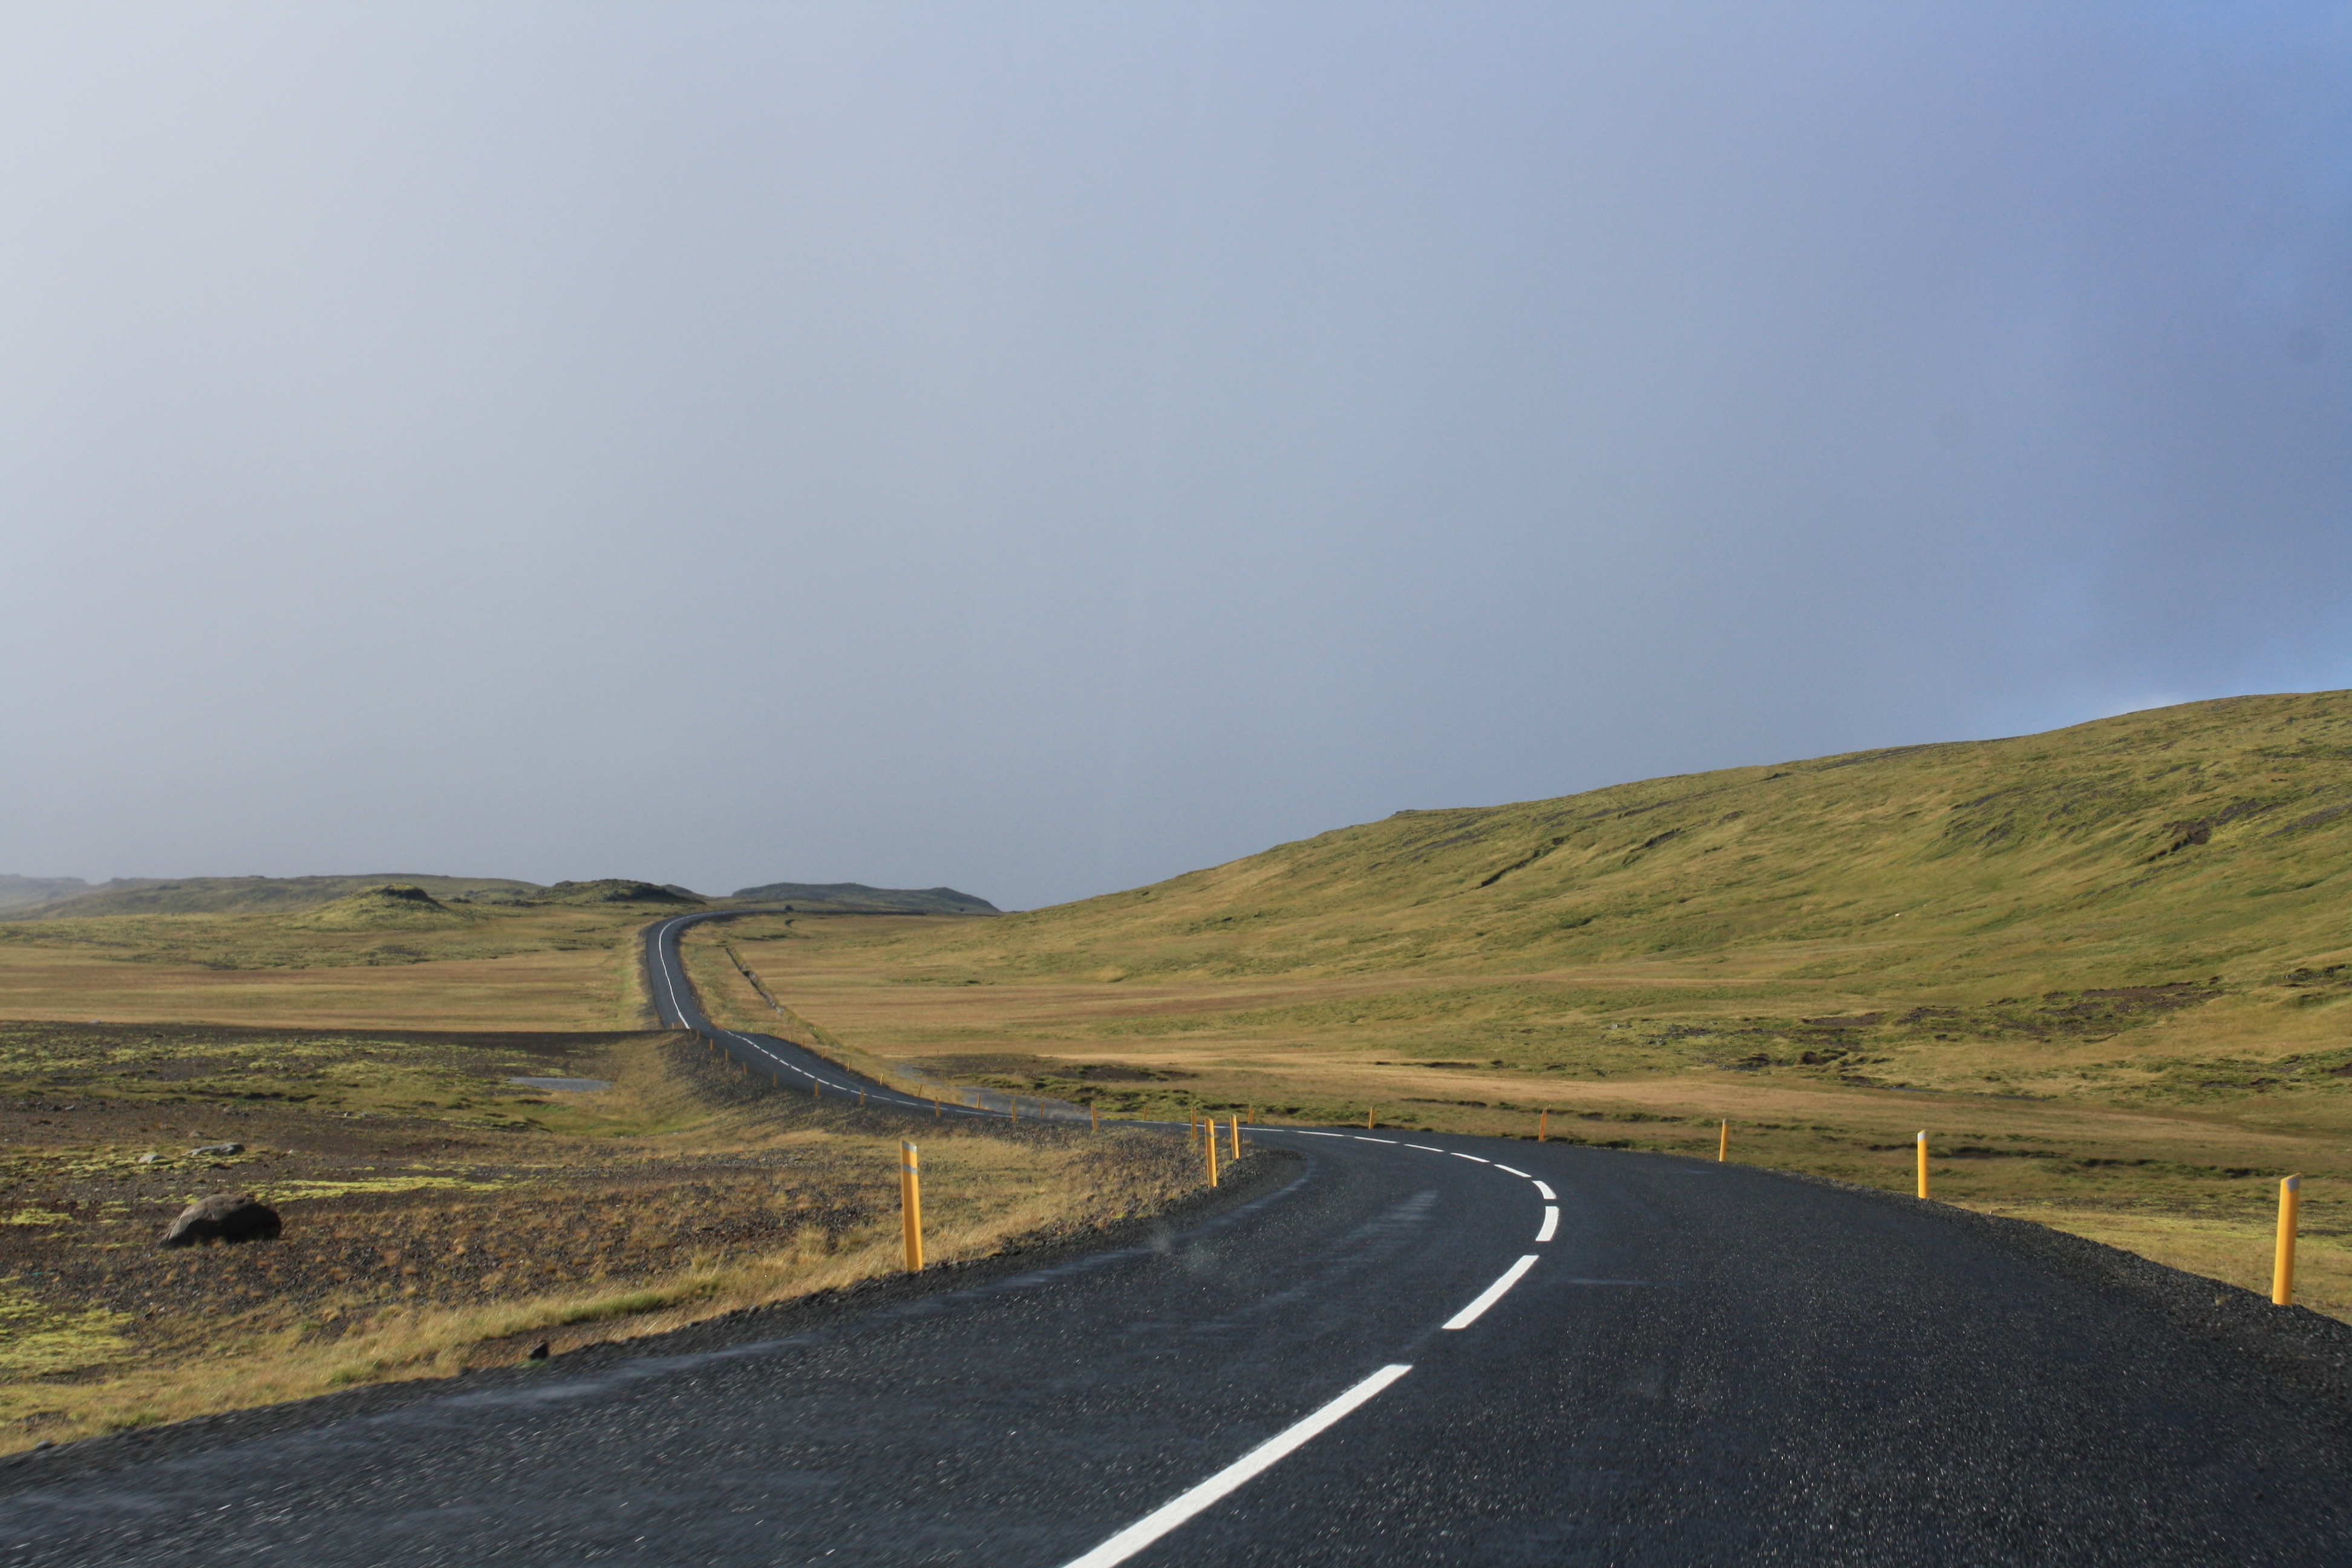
point(564, 968)
point(437, 1217)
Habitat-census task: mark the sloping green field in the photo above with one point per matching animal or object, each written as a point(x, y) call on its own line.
point(2173, 845)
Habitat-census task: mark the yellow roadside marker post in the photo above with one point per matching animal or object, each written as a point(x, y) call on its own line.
point(935, 1107)
point(2283, 1265)
point(1094, 1119)
point(1213, 1152)
point(861, 1100)
point(1368, 1118)
point(1016, 1106)
point(1235, 1128)
point(910, 1202)
point(817, 1088)
point(1723, 1145)
point(1543, 1126)
point(1923, 1164)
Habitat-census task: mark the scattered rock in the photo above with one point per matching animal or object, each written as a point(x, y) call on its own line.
point(217, 1149)
point(225, 1217)
point(537, 1352)
point(151, 1158)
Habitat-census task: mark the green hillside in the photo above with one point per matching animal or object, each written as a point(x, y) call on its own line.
point(2176, 844)
point(856, 897)
point(395, 906)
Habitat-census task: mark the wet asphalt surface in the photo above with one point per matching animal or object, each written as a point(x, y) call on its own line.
point(1705, 1364)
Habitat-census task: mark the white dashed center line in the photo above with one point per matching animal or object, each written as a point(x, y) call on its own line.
point(1491, 1294)
point(1167, 1517)
point(1548, 1195)
point(1508, 1172)
point(1460, 1156)
point(1424, 1148)
point(1551, 1223)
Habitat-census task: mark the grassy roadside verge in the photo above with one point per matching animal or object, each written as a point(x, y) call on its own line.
point(439, 1217)
point(2155, 1117)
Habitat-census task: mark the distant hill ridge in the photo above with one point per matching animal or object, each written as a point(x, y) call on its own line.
point(16, 893)
point(371, 901)
point(858, 896)
point(248, 895)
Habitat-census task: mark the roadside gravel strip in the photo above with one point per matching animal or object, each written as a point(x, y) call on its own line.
point(1460, 1351)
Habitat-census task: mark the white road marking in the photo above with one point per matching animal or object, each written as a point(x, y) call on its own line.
point(1362, 1139)
point(1460, 1156)
point(1167, 1515)
point(1424, 1148)
point(1508, 1172)
point(667, 978)
point(1551, 1223)
point(1548, 1195)
point(1301, 1131)
point(1491, 1294)
point(674, 970)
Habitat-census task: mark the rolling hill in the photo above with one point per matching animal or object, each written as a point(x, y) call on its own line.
point(856, 897)
point(2176, 844)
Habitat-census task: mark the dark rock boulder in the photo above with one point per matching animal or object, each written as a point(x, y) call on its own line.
point(226, 1216)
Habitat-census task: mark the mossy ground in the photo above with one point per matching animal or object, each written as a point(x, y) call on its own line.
point(437, 1217)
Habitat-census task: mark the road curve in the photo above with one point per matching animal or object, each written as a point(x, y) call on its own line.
point(676, 1006)
point(1400, 1348)
point(796, 1067)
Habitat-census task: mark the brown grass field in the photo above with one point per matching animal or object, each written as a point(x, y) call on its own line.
point(437, 1217)
point(527, 969)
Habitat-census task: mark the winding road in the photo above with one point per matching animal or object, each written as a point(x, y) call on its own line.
point(1385, 1348)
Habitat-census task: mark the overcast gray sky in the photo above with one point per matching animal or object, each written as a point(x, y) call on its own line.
point(1043, 449)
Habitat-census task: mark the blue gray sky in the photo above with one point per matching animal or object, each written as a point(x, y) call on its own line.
point(1042, 448)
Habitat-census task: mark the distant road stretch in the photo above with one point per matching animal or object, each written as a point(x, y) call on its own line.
point(1400, 1348)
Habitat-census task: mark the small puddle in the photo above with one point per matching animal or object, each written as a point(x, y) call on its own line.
point(564, 1085)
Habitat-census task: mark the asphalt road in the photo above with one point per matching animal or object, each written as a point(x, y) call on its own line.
point(1692, 1363)
point(791, 1067)
point(676, 1006)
